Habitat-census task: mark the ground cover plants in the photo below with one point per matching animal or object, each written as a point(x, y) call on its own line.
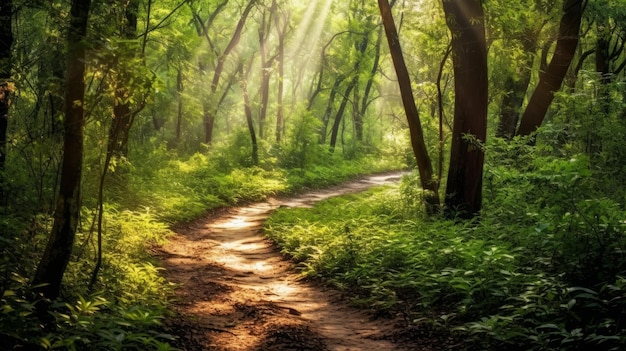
point(542, 269)
point(125, 308)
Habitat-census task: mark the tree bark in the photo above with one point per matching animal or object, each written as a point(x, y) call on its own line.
point(58, 250)
point(424, 164)
point(551, 79)
point(466, 21)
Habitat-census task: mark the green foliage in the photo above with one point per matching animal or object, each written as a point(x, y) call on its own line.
point(543, 268)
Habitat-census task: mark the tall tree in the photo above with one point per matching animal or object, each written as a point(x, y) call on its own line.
point(551, 78)
point(466, 21)
point(210, 112)
point(424, 164)
point(56, 256)
point(266, 63)
point(282, 21)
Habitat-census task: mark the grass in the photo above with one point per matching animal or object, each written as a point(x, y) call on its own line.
point(525, 281)
point(126, 308)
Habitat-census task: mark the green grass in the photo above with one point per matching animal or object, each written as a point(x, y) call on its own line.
point(126, 307)
point(529, 281)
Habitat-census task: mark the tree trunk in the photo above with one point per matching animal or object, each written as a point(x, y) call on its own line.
point(551, 79)
point(281, 28)
point(58, 250)
point(510, 107)
point(329, 108)
point(515, 87)
point(358, 122)
point(466, 21)
point(248, 112)
point(265, 76)
point(342, 108)
point(424, 163)
point(361, 46)
point(123, 113)
point(179, 96)
point(6, 41)
point(209, 114)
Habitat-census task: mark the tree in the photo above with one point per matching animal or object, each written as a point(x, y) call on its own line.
point(6, 41)
point(266, 63)
point(210, 112)
point(551, 78)
point(282, 21)
point(244, 74)
point(127, 84)
point(56, 256)
point(466, 21)
point(515, 29)
point(424, 163)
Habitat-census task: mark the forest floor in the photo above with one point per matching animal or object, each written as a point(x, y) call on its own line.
point(237, 292)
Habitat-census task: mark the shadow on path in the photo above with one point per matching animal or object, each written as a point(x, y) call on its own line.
point(238, 293)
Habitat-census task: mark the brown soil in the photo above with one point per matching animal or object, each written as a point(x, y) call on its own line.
point(237, 292)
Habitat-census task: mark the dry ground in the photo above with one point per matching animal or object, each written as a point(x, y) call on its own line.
point(237, 292)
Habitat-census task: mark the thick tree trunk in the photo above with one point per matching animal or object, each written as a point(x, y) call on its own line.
point(551, 79)
point(6, 41)
point(58, 250)
point(466, 21)
point(424, 163)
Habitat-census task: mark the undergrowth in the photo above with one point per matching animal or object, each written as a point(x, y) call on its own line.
point(126, 307)
point(542, 269)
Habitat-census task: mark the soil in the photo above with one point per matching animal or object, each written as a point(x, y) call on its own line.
point(237, 292)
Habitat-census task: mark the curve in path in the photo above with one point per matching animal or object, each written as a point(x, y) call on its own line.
point(236, 292)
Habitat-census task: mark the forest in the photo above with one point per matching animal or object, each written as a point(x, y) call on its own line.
point(125, 122)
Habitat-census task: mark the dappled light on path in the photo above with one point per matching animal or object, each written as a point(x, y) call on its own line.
point(238, 293)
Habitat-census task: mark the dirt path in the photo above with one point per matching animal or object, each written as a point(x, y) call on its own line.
point(238, 293)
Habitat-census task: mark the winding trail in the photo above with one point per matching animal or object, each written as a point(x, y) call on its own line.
point(237, 292)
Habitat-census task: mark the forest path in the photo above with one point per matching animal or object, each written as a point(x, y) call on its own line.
point(238, 293)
